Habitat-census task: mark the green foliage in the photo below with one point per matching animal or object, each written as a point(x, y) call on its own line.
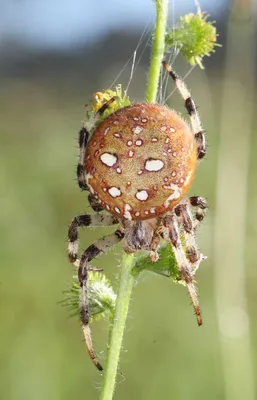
point(195, 36)
point(166, 264)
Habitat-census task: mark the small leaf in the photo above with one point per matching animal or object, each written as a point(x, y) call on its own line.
point(166, 264)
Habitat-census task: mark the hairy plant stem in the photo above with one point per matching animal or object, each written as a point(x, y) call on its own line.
point(126, 281)
point(157, 49)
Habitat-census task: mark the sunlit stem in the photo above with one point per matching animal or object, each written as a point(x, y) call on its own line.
point(157, 50)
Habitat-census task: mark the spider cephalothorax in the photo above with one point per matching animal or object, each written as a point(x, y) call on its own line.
point(138, 166)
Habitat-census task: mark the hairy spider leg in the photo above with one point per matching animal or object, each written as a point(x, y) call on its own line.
point(194, 256)
point(94, 250)
point(170, 222)
point(81, 221)
point(201, 207)
point(183, 211)
point(192, 111)
point(154, 246)
point(94, 203)
point(83, 139)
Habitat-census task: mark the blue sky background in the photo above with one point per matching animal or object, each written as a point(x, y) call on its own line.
point(65, 24)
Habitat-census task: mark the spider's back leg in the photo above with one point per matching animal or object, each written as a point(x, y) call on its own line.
point(192, 111)
point(94, 203)
point(83, 139)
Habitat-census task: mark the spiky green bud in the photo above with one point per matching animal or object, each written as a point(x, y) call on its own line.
point(100, 295)
point(195, 37)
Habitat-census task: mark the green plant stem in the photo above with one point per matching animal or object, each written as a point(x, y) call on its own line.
point(157, 50)
point(127, 279)
point(126, 283)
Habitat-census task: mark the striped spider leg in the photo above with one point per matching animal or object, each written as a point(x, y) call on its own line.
point(183, 262)
point(94, 250)
point(192, 111)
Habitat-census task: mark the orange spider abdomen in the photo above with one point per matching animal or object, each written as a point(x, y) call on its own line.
point(140, 161)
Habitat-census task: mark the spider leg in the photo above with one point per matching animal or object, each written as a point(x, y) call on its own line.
point(94, 203)
point(201, 204)
point(84, 317)
point(195, 258)
point(93, 251)
point(192, 111)
point(81, 221)
point(170, 222)
point(154, 246)
point(83, 139)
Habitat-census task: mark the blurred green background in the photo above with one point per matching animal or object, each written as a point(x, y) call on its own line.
point(165, 355)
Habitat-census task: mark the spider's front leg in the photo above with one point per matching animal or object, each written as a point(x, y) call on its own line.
point(194, 256)
point(94, 250)
point(81, 221)
point(170, 222)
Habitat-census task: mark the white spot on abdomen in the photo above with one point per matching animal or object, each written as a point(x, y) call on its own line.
point(137, 129)
point(154, 165)
point(114, 191)
point(127, 210)
point(175, 195)
point(108, 159)
point(188, 177)
point(142, 195)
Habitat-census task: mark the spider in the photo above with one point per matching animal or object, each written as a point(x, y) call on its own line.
point(138, 166)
